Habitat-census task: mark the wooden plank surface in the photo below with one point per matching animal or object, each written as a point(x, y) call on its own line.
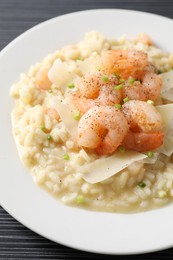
point(16, 16)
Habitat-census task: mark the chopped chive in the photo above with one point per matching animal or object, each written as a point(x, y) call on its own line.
point(66, 157)
point(43, 128)
point(49, 137)
point(151, 102)
point(142, 184)
point(150, 154)
point(50, 91)
point(80, 58)
point(121, 149)
point(118, 106)
point(71, 85)
point(80, 199)
point(162, 194)
point(115, 74)
point(98, 69)
point(122, 80)
point(159, 71)
point(131, 81)
point(105, 78)
point(118, 87)
point(77, 115)
point(125, 99)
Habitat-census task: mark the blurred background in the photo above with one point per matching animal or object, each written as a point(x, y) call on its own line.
point(16, 16)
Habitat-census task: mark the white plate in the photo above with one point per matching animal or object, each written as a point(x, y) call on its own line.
point(91, 231)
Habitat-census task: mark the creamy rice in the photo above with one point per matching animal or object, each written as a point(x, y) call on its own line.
point(42, 152)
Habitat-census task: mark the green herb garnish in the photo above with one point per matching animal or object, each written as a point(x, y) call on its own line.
point(118, 106)
point(71, 85)
point(142, 184)
point(49, 137)
point(77, 115)
point(131, 81)
point(43, 128)
point(150, 154)
point(80, 58)
point(121, 149)
point(125, 99)
point(105, 78)
point(66, 157)
point(80, 199)
point(122, 80)
point(118, 87)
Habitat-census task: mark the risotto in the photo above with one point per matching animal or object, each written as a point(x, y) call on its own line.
point(78, 129)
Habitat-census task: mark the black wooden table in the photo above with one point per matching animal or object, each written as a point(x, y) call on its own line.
point(16, 16)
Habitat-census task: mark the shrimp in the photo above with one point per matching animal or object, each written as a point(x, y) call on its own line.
point(144, 38)
point(134, 91)
point(102, 128)
point(133, 64)
point(95, 90)
point(152, 84)
point(42, 79)
point(142, 116)
point(143, 142)
point(145, 124)
point(125, 63)
point(89, 85)
point(148, 89)
point(82, 104)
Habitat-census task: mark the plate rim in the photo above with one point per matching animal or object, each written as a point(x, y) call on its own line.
point(63, 16)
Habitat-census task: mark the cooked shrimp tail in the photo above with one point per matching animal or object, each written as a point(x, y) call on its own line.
point(103, 129)
point(145, 124)
point(142, 117)
point(143, 142)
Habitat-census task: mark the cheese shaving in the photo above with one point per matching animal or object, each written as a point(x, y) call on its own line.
point(166, 112)
point(167, 89)
point(66, 113)
point(103, 168)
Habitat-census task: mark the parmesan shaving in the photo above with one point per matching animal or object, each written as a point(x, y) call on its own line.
point(59, 74)
point(167, 89)
point(151, 160)
point(166, 112)
point(88, 65)
point(103, 168)
point(66, 113)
